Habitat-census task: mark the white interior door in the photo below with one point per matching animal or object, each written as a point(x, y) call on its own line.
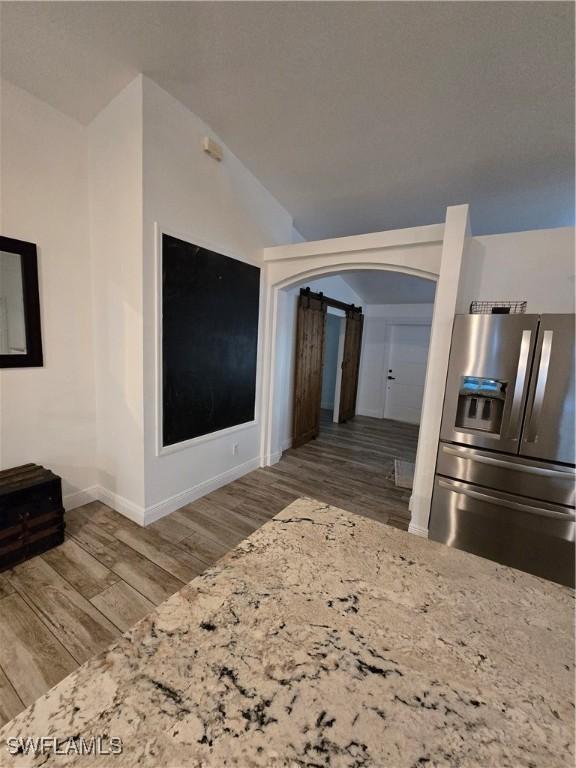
point(406, 372)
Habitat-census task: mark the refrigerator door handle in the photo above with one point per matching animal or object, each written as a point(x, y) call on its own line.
point(543, 366)
point(528, 468)
point(516, 410)
point(515, 505)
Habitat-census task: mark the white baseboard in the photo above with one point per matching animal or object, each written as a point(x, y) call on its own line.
point(99, 493)
point(171, 504)
point(417, 530)
point(274, 458)
point(420, 510)
point(79, 498)
point(146, 515)
point(128, 508)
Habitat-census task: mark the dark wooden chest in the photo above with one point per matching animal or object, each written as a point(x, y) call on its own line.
point(31, 513)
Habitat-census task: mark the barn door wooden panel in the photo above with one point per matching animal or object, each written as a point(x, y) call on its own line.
point(308, 369)
point(350, 365)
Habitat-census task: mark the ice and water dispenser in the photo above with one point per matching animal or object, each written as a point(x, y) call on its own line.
point(481, 404)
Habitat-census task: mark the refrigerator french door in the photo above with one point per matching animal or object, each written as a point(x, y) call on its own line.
point(505, 478)
point(549, 427)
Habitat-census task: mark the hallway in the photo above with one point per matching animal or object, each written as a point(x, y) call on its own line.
point(351, 466)
point(61, 608)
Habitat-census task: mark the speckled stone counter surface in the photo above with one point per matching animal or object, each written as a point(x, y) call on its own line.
point(327, 639)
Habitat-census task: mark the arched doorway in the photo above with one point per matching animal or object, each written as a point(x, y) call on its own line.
point(432, 252)
point(278, 350)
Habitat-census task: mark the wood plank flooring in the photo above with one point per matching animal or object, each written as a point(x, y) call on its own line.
point(61, 608)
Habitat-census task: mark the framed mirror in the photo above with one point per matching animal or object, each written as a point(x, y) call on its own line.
point(20, 332)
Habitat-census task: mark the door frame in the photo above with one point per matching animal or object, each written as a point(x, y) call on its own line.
point(434, 252)
point(339, 361)
point(339, 357)
point(387, 338)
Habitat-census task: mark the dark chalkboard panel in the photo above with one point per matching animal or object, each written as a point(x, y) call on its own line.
point(209, 340)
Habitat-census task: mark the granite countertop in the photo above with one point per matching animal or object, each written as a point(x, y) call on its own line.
point(328, 639)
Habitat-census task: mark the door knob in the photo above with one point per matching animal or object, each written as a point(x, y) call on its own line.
point(391, 378)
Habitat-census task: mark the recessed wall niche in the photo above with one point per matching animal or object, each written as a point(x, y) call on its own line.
point(210, 306)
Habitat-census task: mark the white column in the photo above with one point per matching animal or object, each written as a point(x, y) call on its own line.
point(455, 234)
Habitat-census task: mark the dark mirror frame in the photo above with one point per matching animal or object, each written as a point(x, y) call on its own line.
point(29, 262)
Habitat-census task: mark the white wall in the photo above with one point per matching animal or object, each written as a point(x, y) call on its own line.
point(115, 141)
point(47, 415)
point(90, 197)
point(375, 349)
point(537, 266)
point(221, 205)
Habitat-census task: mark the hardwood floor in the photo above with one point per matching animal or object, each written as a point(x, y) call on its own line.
point(61, 608)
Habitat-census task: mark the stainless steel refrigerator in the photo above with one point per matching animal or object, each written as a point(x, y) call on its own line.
point(505, 478)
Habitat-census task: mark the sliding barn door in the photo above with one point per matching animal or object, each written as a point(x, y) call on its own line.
point(350, 365)
point(308, 373)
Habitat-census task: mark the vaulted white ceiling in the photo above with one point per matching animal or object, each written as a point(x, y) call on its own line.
point(356, 116)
